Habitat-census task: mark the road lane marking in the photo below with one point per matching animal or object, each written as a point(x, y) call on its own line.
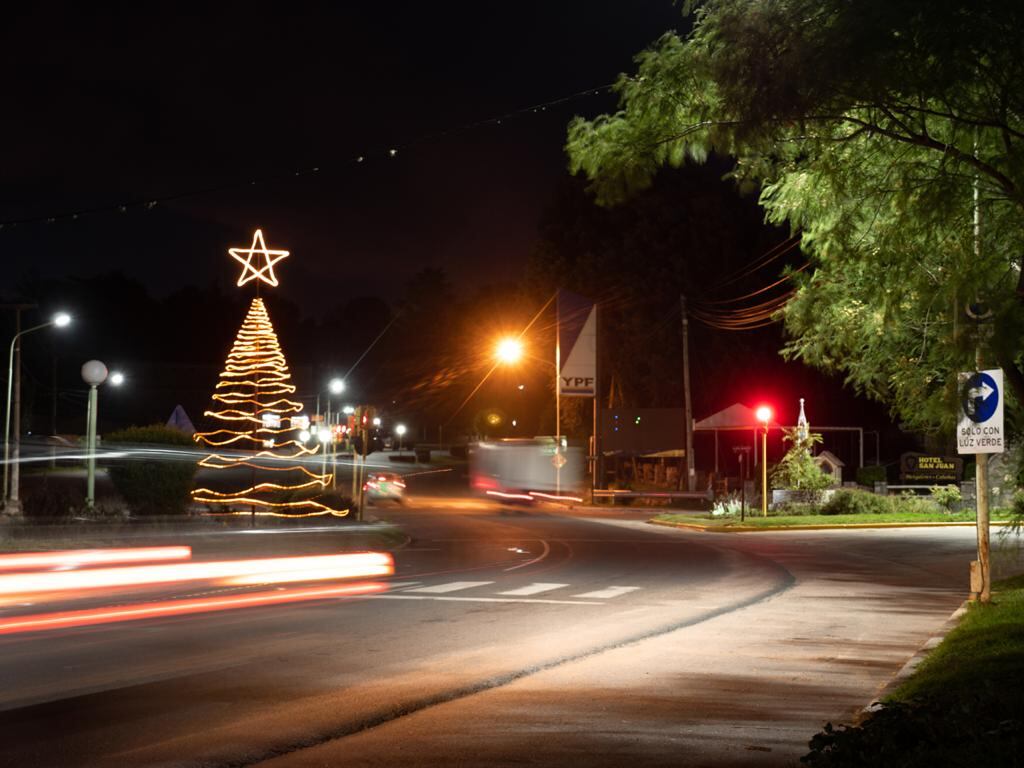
point(452, 586)
point(606, 594)
point(541, 556)
point(541, 601)
point(533, 589)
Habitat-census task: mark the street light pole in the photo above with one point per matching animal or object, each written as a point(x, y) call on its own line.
point(11, 466)
point(764, 472)
point(558, 402)
point(94, 373)
point(764, 415)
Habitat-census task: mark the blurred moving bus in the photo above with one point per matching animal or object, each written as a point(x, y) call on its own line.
point(525, 468)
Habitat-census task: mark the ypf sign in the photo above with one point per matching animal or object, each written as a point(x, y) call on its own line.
point(980, 428)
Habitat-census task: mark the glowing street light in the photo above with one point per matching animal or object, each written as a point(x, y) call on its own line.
point(10, 489)
point(336, 386)
point(116, 378)
point(400, 431)
point(509, 350)
point(764, 415)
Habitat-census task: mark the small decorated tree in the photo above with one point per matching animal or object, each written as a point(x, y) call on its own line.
point(256, 443)
point(797, 471)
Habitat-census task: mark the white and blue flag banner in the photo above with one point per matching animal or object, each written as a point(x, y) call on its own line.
point(577, 340)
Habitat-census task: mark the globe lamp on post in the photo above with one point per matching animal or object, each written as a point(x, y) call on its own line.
point(764, 415)
point(94, 373)
point(400, 431)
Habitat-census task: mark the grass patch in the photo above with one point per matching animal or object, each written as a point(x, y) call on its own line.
point(987, 645)
point(784, 521)
point(962, 706)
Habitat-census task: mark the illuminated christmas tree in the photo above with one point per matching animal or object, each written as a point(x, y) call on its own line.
point(259, 428)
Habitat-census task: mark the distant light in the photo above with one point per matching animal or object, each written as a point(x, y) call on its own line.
point(117, 378)
point(348, 410)
point(336, 386)
point(376, 421)
point(61, 319)
point(513, 422)
point(764, 414)
point(521, 387)
point(509, 350)
point(304, 435)
point(324, 435)
point(400, 429)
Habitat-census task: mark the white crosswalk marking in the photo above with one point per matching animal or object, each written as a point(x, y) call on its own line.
point(533, 589)
point(452, 586)
point(610, 592)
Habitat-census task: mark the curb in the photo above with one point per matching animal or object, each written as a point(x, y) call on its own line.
point(913, 663)
point(838, 526)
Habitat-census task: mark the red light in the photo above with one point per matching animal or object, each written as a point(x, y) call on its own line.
point(764, 413)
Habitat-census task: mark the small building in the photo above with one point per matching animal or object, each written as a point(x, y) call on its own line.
point(831, 464)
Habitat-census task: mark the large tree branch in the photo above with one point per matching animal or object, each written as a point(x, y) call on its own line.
point(1004, 181)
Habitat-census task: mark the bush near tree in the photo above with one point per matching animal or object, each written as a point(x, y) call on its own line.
point(855, 502)
point(946, 496)
point(151, 483)
point(797, 470)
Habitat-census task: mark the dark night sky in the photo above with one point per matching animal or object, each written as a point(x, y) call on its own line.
point(128, 106)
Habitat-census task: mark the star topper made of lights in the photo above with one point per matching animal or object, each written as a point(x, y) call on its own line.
point(258, 249)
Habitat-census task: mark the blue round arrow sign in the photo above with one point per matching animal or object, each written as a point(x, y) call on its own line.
point(979, 397)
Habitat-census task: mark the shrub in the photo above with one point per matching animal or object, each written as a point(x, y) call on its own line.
point(727, 506)
point(50, 500)
point(870, 475)
point(854, 502)
point(152, 482)
point(791, 509)
point(910, 504)
point(922, 734)
point(946, 496)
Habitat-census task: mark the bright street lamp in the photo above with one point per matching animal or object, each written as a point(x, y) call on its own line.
point(336, 386)
point(509, 350)
point(400, 431)
point(10, 489)
point(764, 415)
point(117, 378)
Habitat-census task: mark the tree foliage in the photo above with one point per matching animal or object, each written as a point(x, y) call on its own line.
point(888, 133)
point(797, 470)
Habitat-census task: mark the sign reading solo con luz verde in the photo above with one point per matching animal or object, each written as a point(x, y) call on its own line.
point(980, 428)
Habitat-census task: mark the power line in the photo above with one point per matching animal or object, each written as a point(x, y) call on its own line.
point(390, 152)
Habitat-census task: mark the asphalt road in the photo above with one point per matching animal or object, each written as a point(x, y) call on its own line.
point(507, 636)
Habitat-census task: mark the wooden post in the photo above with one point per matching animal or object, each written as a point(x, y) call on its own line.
point(691, 473)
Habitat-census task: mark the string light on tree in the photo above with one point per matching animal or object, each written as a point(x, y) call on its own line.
point(255, 418)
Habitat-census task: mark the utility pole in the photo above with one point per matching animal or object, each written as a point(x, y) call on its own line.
point(691, 472)
point(597, 468)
